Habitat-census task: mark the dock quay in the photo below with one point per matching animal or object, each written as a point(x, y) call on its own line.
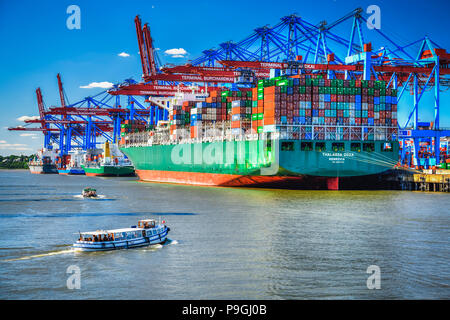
point(427, 180)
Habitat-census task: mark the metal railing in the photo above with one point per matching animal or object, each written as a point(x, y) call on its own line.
point(221, 131)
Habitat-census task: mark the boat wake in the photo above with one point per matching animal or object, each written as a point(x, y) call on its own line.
point(52, 253)
point(74, 250)
point(170, 241)
point(100, 196)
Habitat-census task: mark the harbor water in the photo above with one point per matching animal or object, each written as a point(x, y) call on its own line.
point(225, 243)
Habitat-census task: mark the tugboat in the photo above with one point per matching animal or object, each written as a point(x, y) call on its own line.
point(147, 232)
point(89, 193)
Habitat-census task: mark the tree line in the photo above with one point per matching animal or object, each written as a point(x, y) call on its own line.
point(14, 162)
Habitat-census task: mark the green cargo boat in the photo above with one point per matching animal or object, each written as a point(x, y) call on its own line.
point(109, 162)
point(108, 170)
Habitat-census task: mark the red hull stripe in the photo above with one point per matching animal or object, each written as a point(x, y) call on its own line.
point(211, 179)
point(90, 174)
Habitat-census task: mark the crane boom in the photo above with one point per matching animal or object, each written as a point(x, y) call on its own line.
point(142, 49)
point(149, 47)
point(61, 91)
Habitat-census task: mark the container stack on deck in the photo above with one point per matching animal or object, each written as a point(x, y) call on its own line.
point(132, 126)
point(317, 101)
point(277, 103)
point(241, 115)
point(217, 107)
point(179, 119)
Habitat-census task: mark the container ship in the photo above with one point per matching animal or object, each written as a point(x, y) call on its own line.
point(43, 162)
point(70, 164)
point(109, 162)
point(303, 132)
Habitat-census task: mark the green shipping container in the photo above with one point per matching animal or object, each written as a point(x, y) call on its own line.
point(282, 83)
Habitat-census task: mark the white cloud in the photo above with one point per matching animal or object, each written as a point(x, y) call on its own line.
point(104, 85)
point(24, 118)
point(176, 52)
point(18, 148)
point(123, 54)
point(178, 56)
point(13, 146)
point(28, 134)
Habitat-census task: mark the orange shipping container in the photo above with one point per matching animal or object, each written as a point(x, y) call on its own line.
point(268, 91)
point(269, 121)
point(235, 124)
point(269, 97)
point(269, 105)
point(193, 131)
point(269, 112)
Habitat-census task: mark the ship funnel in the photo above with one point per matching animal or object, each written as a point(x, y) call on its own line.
point(106, 150)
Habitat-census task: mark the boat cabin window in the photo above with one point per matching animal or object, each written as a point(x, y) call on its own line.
point(320, 146)
point(369, 147)
point(355, 146)
point(338, 146)
point(146, 224)
point(287, 146)
point(99, 237)
point(306, 146)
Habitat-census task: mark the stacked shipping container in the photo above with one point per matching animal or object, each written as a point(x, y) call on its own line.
point(131, 126)
point(303, 100)
point(218, 107)
point(317, 101)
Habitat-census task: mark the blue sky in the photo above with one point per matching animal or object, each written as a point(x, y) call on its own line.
point(36, 44)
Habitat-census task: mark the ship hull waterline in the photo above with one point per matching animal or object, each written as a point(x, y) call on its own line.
point(295, 167)
point(71, 171)
point(45, 169)
point(109, 171)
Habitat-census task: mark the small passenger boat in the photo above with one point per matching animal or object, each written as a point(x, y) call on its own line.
point(89, 193)
point(147, 232)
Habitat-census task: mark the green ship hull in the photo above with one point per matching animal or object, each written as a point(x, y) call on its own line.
point(109, 170)
point(253, 162)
